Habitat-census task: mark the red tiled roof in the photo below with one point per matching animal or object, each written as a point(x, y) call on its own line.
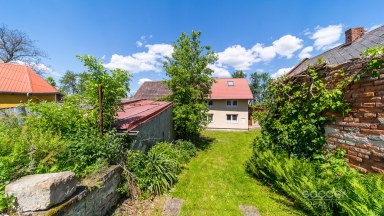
point(22, 79)
point(137, 112)
point(240, 89)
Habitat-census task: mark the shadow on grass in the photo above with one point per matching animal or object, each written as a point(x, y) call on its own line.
point(203, 142)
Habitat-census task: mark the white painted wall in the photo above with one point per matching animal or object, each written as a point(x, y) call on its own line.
point(220, 111)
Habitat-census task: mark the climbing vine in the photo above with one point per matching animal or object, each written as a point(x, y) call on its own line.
point(294, 120)
point(374, 60)
point(296, 104)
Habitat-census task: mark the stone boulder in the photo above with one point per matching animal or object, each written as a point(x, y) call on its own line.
point(41, 191)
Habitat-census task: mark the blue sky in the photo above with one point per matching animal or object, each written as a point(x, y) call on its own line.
point(263, 36)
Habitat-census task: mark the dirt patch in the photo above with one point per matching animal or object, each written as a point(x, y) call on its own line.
point(249, 210)
point(138, 207)
point(172, 207)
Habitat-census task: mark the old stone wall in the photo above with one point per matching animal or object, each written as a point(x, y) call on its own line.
point(95, 196)
point(360, 132)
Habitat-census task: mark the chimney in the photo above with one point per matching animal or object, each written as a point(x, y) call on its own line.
point(353, 34)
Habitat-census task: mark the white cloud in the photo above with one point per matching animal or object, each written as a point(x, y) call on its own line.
point(219, 70)
point(287, 45)
point(327, 37)
point(237, 57)
point(143, 80)
point(150, 60)
point(284, 46)
point(374, 27)
point(139, 43)
point(307, 32)
point(280, 72)
point(265, 53)
point(143, 40)
point(161, 49)
point(305, 53)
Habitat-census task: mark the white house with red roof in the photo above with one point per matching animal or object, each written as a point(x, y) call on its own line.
point(228, 104)
point(228, 101)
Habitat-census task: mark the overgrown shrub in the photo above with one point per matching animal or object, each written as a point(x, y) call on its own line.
point(325, 185)
point(65, 136)
point(53, 138)
point(156, 171)
point(186, 149)
point(294, 119)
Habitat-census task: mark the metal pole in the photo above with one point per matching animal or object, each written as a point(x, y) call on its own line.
point(101, 109)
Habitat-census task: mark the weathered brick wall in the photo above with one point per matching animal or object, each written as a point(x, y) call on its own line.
point(360, 132)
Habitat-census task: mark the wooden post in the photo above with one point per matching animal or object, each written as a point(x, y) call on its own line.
point(101, 109)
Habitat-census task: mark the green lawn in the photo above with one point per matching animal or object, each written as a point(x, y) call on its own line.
point(216, 183)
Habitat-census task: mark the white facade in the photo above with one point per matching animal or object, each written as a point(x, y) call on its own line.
point(228, 114)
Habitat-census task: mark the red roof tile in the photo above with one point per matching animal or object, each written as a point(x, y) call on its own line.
point(240, 90)
point(137, 112)
point(22, 79)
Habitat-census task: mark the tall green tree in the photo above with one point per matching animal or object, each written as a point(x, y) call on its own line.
point(68, 83)
point(239, 74)
point(51, 81)
point(190, 81)
point(258, 85)
point(115, 84)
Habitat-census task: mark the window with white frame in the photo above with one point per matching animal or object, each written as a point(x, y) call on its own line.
point(209, 117)
point(231, 103)
point(210, 103)
point(230, 83)
point(231, 118)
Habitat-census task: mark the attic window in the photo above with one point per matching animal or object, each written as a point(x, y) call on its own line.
point(230, 83)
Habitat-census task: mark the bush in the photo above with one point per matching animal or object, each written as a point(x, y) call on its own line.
point(186, 148)
point(53, 138)
point(325, 185)
point(156, 172)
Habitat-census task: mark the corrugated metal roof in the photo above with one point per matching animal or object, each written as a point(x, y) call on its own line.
point(345, 52)
point(152, 90)
point(22, 79)
point(240, 90)
point(137, 112)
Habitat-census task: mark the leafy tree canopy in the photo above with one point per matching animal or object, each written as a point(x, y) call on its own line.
point(115, 84)
point(190, 81)
point(51, 81)
point(239, 74)
point(258, 85)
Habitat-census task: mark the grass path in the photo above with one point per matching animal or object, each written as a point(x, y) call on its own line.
point(216, 183)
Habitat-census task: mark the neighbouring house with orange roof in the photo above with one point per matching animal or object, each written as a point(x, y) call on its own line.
point(228, 101)
point(228, 104)
point(19, 83)
point(147, 121)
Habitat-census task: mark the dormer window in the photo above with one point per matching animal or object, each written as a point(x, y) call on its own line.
point(230, 83)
